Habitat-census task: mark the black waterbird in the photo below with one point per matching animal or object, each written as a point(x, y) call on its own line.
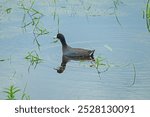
point(74, 52)
point(70, 53)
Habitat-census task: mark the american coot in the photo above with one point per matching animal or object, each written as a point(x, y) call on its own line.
point(70, 53)
point(74, 52)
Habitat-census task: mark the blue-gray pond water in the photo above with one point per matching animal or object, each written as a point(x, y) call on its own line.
point(116, 29)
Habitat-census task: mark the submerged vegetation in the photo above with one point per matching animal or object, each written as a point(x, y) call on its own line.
point(5, 59)
point(8, 10)
point(4, 10)
point(99, 64)
point(32, 18)
point(102, 65)
point(148, 15)
point(134, 76)
point(1, 60)
point(115, 9)
point(33, 58)
point(12, 91)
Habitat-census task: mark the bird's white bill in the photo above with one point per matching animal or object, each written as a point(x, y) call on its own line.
point(55, 37)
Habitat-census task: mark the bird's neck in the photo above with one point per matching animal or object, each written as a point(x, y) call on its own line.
point(63, 42)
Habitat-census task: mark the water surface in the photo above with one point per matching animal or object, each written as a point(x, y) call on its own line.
point(88, 24)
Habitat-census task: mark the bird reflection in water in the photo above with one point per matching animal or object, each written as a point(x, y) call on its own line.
point(66, 59)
